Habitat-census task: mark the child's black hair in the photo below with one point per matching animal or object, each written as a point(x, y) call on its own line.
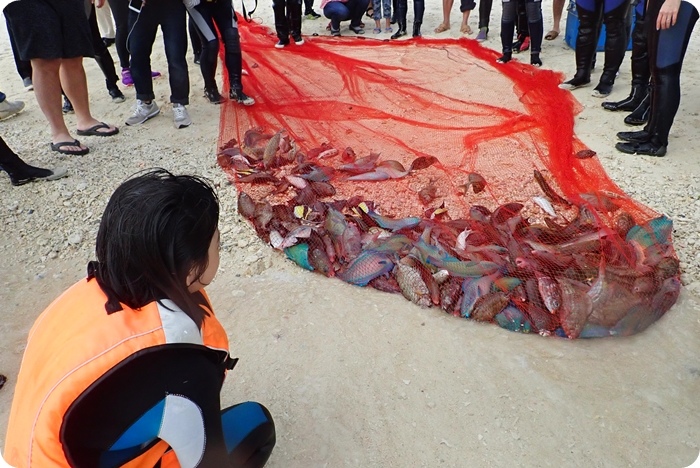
point(155, 231)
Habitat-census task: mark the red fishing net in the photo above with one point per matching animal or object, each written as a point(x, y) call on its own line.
point(425, 168)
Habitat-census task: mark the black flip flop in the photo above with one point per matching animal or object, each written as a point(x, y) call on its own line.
point(58, 147)
point(93, 131)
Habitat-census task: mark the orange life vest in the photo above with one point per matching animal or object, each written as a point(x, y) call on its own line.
point(72, 344)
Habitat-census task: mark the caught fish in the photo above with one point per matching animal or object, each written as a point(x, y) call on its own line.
point(271, 149)
point(423, 162)
point(475, 181)
point(328, 153)
point(622, 223)
point(472, 290)
point(299, 254)
point(549, 291)
point(511, 318)
point(585, 153)
point(549, 191)
point(576, 306)
point(545, 205)
point(246, 205)
point(361, 165)
point(489, 305)
point(412, 285)
point(365, 267)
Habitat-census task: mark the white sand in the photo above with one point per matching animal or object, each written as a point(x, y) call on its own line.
point(355, 377)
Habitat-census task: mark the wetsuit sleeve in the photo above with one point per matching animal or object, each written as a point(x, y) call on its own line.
point(169, 393)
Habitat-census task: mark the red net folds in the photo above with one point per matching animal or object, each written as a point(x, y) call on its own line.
point(425, 168)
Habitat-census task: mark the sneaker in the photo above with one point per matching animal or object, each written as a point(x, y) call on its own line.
point(298, 40)
point(117, 96)
point(335, 32)
point(155, 74)
point(482, 35)
point(67, 106)
point(311, 15)
point(281, 44)
point(126, 77)
point(213, 96)
point(10, 108)
point(241, 97)
point(143, 112)
point(181, 118)
point(28, 85)
point(357, 29)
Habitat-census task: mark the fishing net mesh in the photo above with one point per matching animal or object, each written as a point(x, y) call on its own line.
point(495, 210)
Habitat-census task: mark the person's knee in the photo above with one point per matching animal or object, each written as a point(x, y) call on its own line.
point(232, 40)
point(212, 47)
point(466, 5)
point(46, 65)
point(534, 11)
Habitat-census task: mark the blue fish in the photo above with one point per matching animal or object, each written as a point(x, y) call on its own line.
point(655, 231)
point(511, 318)
point(365, 267)
point(393, 224)
point(299, 254)
point(472, 290)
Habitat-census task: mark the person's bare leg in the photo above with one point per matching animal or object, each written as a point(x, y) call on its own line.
point(75, 86)
point(47, 88)
point(464, 28)
point(557, 10)
point(446, 9)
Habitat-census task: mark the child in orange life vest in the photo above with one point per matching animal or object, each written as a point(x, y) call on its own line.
point(126, 366)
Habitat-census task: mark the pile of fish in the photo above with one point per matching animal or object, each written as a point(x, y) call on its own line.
point(597, 274)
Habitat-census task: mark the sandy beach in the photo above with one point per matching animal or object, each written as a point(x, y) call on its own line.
point(359, 378)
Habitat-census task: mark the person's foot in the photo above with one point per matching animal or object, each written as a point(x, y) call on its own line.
point(298, 40)
point(142, 112)
point(335, 32)
point(401, 32)
point(117, 95)
point(551, 35)
point(357, 29)
point(602, 90)
point(10, 108)
point(575, 83)
point(23, 173)
point(155, 74)
point(647, 148)
point(240, 97)
point(281, 44)
point(28, 85)
point(505, 58)
point(181, 118)
point(465, 29)
point(67, 106)
point(126, 77)
point(311, 15)
point(635, 137)
point(535, 60)
point(442, 27)
point(640, 115)
point(213, 96)
point(482, 35)
point(197, 56)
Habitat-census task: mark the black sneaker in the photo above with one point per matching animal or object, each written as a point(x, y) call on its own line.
point(67, 106)
point(335, 32)
point(357, 29)
point(298, 40)
point(241, 98)
point(213, 96)
point(281, 44)
point(117, 95)
point(311, 15)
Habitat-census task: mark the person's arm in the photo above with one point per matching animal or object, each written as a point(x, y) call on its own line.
point(668, 14)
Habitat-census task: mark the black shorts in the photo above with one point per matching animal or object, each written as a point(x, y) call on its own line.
point(50, 29)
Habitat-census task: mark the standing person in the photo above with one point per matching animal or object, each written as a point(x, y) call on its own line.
point(205, 16)
point(20, 172)
point(485, 7)
point(381, 8)
point(106, 24)
point(418, 10)
point(171, 16)
point(120, 12)
point(24, 67)
point(56, 40)
point(638, 101)
point(132, 359)
point(338, 10)
point(309, 12)
point(533, 9)
point(614, 14)
point(287, 22)
point(672, 23)
point(557, 11)
point(465, 6)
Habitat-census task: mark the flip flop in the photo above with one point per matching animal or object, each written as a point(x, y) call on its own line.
point(442, 27)
point(551, 35)
point(465, 29)
point(93, 131)
point(58, 147)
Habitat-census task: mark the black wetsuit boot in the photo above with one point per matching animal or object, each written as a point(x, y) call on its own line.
point(418, 10)
point(615, 45)
point(640, 71)
point(508, 18)
point(401, 19)
point(586, 43)
point(536, 28)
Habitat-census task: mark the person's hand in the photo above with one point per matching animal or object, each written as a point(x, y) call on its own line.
point(99, 3)
point(668, 14)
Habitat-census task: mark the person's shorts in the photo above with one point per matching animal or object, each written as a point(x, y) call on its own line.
point(50, 29)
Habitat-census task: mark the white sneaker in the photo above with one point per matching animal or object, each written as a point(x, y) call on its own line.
point(181, 118)
point(10, 108)
point(143, 112)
